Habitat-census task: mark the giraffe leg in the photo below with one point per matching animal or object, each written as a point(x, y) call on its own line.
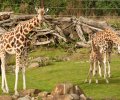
point(16, 73)
point(99, 69)
point(4, 80)
point(90, 72)
point(25, 61)
point(24, 80)
point(104, 61)
point(95, 69)
point(109, 65)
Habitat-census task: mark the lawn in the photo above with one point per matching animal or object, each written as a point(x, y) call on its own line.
point(74, 71)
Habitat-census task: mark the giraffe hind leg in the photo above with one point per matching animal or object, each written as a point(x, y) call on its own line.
point(89, 76)
point(96, 70)
point(16, 73)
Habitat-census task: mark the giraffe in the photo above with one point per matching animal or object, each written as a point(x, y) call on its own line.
point(15, 42)
point(104, 40)
point(96, 61)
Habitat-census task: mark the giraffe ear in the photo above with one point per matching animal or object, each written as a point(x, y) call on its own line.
point(46, 10)
point(36, 9)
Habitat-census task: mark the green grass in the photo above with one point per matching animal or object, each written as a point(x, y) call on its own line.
point(74, 71)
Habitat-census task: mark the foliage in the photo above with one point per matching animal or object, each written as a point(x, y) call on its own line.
point(58, 7)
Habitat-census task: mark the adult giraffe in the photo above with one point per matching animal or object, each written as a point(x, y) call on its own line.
point(14, 42)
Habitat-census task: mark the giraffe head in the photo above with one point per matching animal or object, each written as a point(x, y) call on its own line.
point(40, 12)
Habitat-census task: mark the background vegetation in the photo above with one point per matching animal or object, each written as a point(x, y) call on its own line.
point(65, 7)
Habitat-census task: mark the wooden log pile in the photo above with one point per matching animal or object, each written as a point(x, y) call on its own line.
point(57, 29)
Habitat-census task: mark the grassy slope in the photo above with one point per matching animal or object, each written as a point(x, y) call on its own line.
point(75, 71)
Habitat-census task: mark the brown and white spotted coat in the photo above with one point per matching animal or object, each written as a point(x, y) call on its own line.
point(104, 40)
point(96, 62)
point(16, 42)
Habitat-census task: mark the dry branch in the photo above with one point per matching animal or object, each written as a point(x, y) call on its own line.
point(43, 43)
point(80, 33)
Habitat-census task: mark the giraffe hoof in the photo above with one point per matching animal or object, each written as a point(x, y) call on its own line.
point(86, 81)
point(96, 81)
point(16, 93)
point(7, 90)
point(109, 75)
point(89, 81)
point(107, 81)
point(4, 91)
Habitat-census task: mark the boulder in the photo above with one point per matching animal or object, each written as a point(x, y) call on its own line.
point(34, 65)
point(62, 97)
point(43, 94)
point(67, 88)
point(30, 92)
point(27, 97)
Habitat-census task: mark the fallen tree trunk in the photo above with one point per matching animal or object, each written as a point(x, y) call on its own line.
point(43, 43)
point(93, 23)
point(82, 45)
point(5, 15)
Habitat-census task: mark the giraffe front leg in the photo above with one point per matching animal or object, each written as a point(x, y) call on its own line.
point(104, 61)
point(4, 81)
point(109, 71)
point(24, 79)
point(16, 73)
point(90, 72)
point(99, 68)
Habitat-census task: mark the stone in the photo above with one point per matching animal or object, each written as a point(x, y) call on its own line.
point(33, 65)
point(43, 94)
point(67, 88)
point(30, 92)
point(27, 97)
point(62, 97)
point(5, 97)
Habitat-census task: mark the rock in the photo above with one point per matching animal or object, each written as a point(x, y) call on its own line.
point(43, 94)
point(62, 97)
point(38, 59)
point(34, 65)
point(27, 97)
point(67, 88)
point(42, 61)
point(5, 97)
point(30, 92)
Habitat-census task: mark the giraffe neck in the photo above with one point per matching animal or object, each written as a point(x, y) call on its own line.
point(26, 27)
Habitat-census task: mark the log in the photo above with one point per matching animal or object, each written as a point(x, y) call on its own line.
point(43, 43)
point(60, 36)
point(94, 23)
point(5, 15)
point(81, 45)
point(22, 17)
point(80, 33)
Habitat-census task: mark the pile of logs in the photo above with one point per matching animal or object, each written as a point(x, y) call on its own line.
point(55, 29)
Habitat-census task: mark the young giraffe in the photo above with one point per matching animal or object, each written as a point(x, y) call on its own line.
point(96, 61)
point(104, 40)
point(14, 42)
